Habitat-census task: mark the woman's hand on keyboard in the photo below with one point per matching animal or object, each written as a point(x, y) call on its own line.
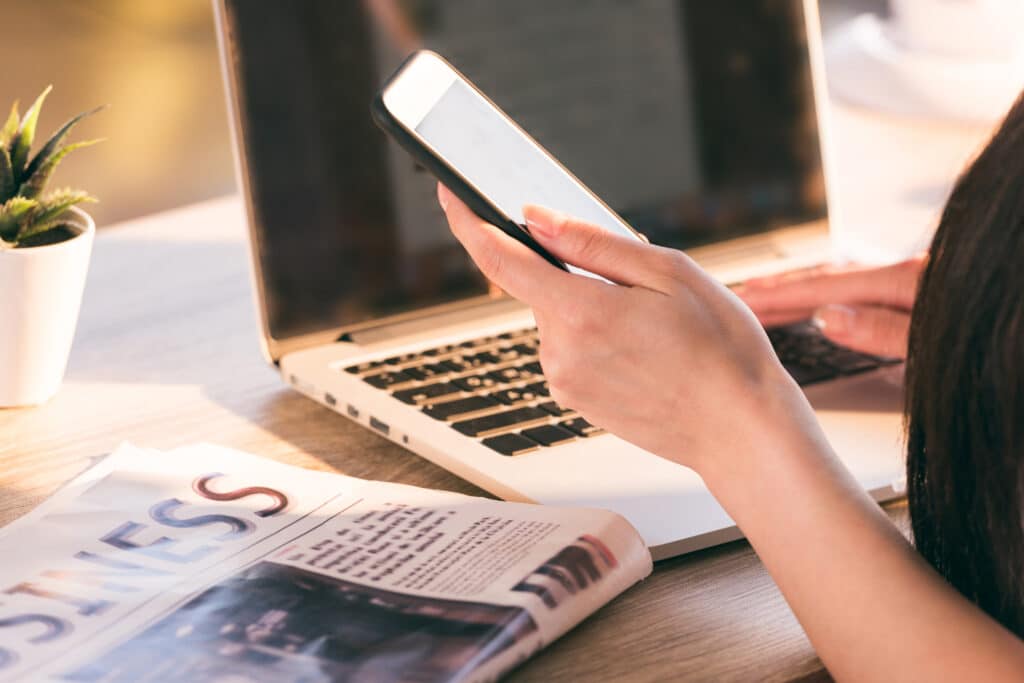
point(671, 361)
point(865, 309)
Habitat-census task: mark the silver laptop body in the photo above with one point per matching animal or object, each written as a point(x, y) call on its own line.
point(356, 275)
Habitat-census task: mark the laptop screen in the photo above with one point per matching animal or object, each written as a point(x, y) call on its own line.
point(694, 120)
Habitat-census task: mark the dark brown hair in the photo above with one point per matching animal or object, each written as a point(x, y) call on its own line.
point(965, 384)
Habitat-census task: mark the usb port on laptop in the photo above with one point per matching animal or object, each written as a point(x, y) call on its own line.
point(381, 427)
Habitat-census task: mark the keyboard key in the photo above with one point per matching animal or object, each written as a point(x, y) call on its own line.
point(554, 409)
point(850, 362)
point(462, 407)
point(526, 350)
point(427, 392)
point(539, 388)
point(528, 333)
point(810, 358)
point(360, 368)
point(533, 367)
point(510, 444)
point(456, 364)
point(500, 422)
point(464, 363)
point(514, 397)
point(549, 435)
point(441, 350)
point(507, 354)
point(428, 371)
point(484, 358)
point(402, 359)
point(475, 383)
point(815, 344)
point(512, 374)
point(581, 427)
point(474, 343)
point(391, 378)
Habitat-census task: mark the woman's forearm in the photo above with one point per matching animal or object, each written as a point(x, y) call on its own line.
point(705, 389)
point(872, 607)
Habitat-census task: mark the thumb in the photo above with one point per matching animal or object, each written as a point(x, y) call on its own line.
point(621, 259)
point(877, 330)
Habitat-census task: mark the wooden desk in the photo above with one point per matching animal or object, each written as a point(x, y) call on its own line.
point(167, 354)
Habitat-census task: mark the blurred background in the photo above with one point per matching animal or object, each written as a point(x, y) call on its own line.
point(156, 64)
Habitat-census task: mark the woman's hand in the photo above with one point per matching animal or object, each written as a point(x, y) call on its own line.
point(671, 361)
point(865, 309)
point(675, 363)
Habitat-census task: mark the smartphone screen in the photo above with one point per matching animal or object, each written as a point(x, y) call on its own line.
point(476, 139)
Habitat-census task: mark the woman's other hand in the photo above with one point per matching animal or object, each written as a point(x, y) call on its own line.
point(865, 309)
point(671, 360)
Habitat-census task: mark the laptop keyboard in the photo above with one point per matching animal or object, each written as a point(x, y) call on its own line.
point(493, 389)
point(811, 358)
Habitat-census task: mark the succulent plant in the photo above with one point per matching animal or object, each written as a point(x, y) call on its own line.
point(27, 211)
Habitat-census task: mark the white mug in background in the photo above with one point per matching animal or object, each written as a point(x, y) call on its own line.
point(973, 30)
point(915, 95)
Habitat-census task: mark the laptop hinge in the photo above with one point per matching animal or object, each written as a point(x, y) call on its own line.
point(430, 325)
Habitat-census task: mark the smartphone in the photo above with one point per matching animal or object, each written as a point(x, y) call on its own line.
point(468, 143)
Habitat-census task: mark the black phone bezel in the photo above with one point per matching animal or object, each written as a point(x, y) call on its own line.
point(447, 175)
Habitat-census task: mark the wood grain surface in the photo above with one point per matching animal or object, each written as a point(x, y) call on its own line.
point(167, 354)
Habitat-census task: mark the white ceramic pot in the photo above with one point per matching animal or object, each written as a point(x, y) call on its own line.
point(40, 295)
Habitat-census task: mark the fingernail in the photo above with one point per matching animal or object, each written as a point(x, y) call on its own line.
point(541, 220)
point(442, 196)
point(835, 319)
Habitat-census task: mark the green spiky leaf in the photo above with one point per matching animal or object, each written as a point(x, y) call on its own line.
point(66, 220)
point(50, 212)
point(50, 148)
point(36, 180)
point(14, 213)
point(24, 211)
point(6, 175)
point(22, 141)
point(10, 128)
point(58, 201)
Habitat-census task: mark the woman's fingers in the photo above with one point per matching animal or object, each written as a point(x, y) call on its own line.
point(670, 341)
point(620, 259)
point(507, 263)
point(894, 286)
point(859, 309)
point(877, 330)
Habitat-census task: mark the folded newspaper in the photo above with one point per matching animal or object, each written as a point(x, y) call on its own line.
point(208, 564)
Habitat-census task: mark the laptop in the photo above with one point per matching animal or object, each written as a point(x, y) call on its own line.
point(700, 123)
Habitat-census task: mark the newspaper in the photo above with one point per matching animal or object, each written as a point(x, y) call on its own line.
point(208, 564)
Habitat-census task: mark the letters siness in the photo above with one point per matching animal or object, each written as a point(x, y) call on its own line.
point(113, 576)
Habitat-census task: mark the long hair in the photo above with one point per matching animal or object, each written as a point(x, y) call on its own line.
point(965, 385)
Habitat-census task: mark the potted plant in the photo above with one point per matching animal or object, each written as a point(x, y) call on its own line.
point(45, 242)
